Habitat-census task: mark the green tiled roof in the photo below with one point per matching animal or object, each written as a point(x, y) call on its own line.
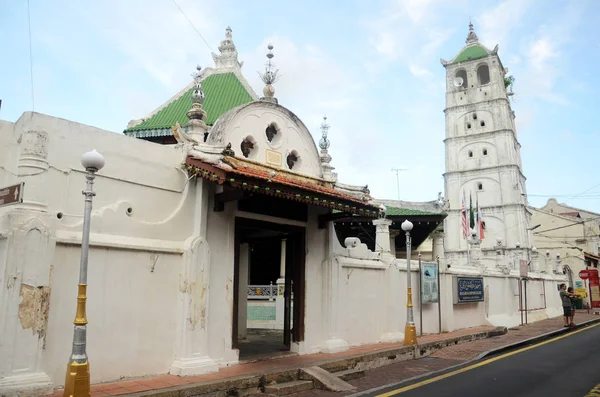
point(394, 211)
point(469, 53)
point(222, 92)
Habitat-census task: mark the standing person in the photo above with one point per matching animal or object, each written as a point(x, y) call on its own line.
point(565, 297)
point(573, 299)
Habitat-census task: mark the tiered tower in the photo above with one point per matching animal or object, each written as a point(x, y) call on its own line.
point(483, 158)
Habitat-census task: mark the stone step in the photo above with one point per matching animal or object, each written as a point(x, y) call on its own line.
point(325, 380)
point(350, 374)
point(283, 389)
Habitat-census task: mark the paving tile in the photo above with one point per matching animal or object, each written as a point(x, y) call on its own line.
point(392, 373)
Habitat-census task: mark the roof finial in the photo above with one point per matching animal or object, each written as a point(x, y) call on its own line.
point(229, 54)
point(269, 77)
point(324, 142)
point(324, 155)
point(472, 37)
point(196, 114)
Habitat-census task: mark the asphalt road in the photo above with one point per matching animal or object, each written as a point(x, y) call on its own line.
point(564, 367)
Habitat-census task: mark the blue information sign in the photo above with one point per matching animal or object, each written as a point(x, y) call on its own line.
point(468, 289)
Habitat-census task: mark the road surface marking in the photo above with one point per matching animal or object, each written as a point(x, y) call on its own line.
point(488, 361)
point(594, 392)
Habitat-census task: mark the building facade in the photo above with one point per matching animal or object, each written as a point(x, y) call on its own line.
point(483, 158)
point(187, 207)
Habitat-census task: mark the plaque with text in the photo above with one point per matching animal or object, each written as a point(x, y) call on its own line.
point(468, 289)
point(273, 157)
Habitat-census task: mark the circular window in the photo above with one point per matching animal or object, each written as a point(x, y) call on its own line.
point(249, 147)
point(273, 133)
point(293, 160)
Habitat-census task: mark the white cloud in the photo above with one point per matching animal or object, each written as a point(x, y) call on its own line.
point(407, 28)
point(495, 25)
point(420, 72)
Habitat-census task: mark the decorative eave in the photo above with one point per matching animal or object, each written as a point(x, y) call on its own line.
point(258, 178)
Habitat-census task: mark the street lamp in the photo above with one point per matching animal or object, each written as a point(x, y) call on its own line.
point(410, 331)
point(77, 382)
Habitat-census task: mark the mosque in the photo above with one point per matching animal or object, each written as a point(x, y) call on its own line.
point(217, 214)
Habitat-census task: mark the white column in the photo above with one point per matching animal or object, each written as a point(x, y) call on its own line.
point(382, 235)
point(392, 289)
point(393, 235)
point(438, 246)
point(280, 301)
point(191, 350)
point(331, 279)
point(243, 291)
point(558, 269)
point(535, 260)
point(26, 253)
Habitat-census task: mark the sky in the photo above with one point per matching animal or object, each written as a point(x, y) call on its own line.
point(372, 66)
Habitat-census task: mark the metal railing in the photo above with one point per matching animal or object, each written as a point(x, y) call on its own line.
point(262, 291)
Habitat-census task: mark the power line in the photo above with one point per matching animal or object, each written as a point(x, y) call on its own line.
point(522, 222)
point(194, 27)
point(593, 187)
point(30, 58)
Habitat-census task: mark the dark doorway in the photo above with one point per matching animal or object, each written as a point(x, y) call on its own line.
point(268, 288)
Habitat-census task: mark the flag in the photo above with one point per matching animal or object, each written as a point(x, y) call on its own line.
point(480, 222)
point(463, 216)
point(471, 214)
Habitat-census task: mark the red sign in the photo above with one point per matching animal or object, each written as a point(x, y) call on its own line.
point(523, 268)
point(594, 288)
point(584, 275)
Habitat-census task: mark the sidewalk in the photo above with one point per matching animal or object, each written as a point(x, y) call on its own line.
point(260, 368)
point(391, 363)
point(454, 355)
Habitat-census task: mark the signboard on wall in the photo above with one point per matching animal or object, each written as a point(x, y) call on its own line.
point(468, 289)
point(594, 283)
point(11, 194)
point(429, 283)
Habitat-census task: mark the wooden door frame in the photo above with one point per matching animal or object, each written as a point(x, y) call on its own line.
point(296, 236)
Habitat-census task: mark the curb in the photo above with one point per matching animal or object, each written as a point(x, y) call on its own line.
point(252, 383)
point(533, 339)
point(487, 353)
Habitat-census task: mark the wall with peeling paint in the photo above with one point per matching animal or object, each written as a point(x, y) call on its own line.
point(142, 216)
point(130, 309)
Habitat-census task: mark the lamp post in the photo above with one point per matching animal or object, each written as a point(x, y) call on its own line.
point(410, 331)
point(77, 382)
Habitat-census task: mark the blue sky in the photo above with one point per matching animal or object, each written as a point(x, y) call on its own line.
point(371, 65)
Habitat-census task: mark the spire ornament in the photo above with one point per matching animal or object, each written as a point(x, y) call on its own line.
point(324, 142)
point(324, 156)
point(229, 54)
point(197, 115)
point(472, 37)
point(269, 77)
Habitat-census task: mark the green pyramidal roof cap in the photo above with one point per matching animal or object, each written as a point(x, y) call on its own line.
point(470, 53)
point(222, 91)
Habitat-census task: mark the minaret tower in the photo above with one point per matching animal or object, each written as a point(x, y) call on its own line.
point(483, 159)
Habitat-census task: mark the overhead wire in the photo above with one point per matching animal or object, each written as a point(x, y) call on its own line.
point(524, 221)
point(192, 25)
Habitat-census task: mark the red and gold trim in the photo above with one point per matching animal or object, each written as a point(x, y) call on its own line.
point(260, 179)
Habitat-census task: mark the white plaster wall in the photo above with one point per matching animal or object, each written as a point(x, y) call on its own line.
point(362, 301)
point(130, 309)
point(126, 298)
